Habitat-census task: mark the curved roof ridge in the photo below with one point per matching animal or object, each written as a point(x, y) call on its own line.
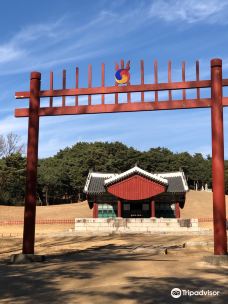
point(173, 173)
point(133, 170)
point(100, 174)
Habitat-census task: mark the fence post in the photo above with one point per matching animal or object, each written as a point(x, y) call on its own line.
point(32, 160)
point(218, 183)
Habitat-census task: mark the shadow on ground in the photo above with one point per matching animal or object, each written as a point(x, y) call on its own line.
point(76, 278)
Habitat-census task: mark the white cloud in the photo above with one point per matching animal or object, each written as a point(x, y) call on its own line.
point(190, 11)
point(19, 46)
point(10, 53)
point(51, 44)
point(36, 31)
point(12, 124)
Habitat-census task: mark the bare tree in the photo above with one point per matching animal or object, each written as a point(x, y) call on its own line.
point(10, 144)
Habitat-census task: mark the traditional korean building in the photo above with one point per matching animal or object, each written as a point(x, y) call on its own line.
point(136, 193)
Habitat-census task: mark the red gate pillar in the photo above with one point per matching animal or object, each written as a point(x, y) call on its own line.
point(32, 160)
point(219, 209)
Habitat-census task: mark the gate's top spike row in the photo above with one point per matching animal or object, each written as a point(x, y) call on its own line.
point(154, 85)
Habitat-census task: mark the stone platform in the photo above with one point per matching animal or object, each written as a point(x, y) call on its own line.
point(135, 225)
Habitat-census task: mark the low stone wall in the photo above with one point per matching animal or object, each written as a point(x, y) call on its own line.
point(135, 225)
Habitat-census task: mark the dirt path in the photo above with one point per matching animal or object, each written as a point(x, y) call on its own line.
point(110, 269)
point(107, 269)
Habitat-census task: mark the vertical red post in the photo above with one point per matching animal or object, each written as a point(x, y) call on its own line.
point(152, 205)
point(116, 84)
point(103, 82)
point(183, 79)
point(64, 87)
point(170, 77)
point(119, 209)
point(218, 183)
point(51, 88)
point(32, 160)
point(142, 77)
point(77, 84)
point(177, 210)
point(155, 79)
point(197, 79)
point(95, 208)
point(89, 83)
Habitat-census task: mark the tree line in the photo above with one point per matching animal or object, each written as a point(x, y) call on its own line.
point(61, 178)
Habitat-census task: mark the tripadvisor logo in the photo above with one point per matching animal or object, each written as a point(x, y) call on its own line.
point(177, 292)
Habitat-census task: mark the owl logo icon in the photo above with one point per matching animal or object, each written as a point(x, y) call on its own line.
point(176, 293)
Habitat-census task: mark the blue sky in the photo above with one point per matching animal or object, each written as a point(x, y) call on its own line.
point(56, 35)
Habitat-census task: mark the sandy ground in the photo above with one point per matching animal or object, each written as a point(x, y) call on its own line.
point(56, 212)
point(111, 269)
point(108, 269)
point(65, 211)
point(199, 204)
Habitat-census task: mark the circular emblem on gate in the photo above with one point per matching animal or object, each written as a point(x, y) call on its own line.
point(122, 76)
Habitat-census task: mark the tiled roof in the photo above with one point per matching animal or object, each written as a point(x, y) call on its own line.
point(176, 181)
point(96, 182)
point(132, 171)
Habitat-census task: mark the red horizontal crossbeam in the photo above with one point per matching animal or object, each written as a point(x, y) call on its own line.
point(113, 108)
point(120, 89)
point(225, 101)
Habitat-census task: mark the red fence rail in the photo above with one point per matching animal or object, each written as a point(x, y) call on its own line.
point(72, 221)
point(45, 221)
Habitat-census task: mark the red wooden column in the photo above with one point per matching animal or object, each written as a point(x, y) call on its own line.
point(119, 209)
point(177, 210)
point(152, 206)
point(219, 210)
point(32, 160)
point(95, 208)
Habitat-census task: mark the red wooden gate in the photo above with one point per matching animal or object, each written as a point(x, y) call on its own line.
point(216, 102)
